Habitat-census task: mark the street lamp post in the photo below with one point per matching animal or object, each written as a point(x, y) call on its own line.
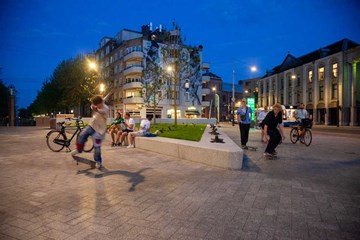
point(170, 69)
point(216, 111)
point(12, 106)
point(233, 98)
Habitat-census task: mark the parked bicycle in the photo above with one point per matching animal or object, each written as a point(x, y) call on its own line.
point(306, 136)
point(57, 140)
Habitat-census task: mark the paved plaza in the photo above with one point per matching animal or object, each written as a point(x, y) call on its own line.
point(308, 193)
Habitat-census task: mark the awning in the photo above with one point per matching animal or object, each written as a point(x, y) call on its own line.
point(192, 112)
point(320, 105)
point(332, 105)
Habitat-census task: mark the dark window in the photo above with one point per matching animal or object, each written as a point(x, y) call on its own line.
point(334, 91)
point(321, 92)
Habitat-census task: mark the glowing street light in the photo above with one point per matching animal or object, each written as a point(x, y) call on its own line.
point(102, 88)
point(92, 65)
point(169, 69)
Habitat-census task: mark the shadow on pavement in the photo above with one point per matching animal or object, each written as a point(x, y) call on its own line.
point(248, 165)
point(134, 177)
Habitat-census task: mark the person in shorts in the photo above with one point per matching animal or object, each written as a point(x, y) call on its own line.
point(143, 131)
point(128, 126)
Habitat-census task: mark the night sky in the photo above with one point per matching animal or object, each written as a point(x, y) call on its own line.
point(37, 35)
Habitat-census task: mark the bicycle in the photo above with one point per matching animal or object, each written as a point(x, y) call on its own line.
point(56, 140)
point(306, 138)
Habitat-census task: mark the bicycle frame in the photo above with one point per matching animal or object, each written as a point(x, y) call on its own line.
point(67, 141)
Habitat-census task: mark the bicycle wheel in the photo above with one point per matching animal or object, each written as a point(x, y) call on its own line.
point(55, 140)
point(294, 135)
point(89, 144)
point(307, 137)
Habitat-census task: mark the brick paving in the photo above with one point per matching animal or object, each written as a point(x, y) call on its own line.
point(308, 193)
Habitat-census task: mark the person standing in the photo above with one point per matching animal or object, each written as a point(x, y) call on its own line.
point(273, 128)
point(244, 119)
point(260, 118)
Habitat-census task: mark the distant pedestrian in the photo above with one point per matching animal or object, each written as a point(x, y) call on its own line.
point(273, 129)
point(260, 118)
point(244, 119)
point(96, 129)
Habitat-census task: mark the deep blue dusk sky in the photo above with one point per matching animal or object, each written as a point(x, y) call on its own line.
point(36, 35)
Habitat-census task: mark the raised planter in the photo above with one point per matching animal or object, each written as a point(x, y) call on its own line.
point(226, 155)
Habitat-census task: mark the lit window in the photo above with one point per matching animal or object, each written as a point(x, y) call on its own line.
point(335, 70)
point(321, 73)
point(310, 76)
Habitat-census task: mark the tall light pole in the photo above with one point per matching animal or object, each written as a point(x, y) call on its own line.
point(216, 111)
point(12, 106)
point(170, 69)
point(233, 97)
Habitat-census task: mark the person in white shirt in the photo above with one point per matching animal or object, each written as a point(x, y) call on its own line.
point(96, 129)
point(129, 127)
point(260, 118)
point(143, 130)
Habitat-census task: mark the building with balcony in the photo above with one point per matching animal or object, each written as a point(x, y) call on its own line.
point(326, 80)
point(127, 61)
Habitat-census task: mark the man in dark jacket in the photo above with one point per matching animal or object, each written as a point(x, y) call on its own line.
point(273, 128)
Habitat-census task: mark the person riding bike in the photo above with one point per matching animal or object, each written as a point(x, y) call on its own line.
point(300, 115)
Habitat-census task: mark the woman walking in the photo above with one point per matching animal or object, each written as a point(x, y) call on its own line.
point(244, 119)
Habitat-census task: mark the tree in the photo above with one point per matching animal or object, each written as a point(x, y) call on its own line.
point(185, 65)
point(71, 85)
point(154, 84)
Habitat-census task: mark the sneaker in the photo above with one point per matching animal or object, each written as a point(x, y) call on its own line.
point(113, 144)
point(130, 146)
point(98, 165)
point(74, 152)
point(156, 132)
point(119, 144)
point(244, 147)
point(268, 155)
point(274, 153)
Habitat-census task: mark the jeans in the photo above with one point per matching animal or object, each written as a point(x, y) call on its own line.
point(97, 139)
point(244, 133)
point(275, 138)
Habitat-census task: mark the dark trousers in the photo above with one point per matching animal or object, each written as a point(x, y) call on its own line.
point(275, 138)
point(244, 133)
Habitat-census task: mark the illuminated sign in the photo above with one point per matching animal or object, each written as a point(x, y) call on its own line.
point(251, 104)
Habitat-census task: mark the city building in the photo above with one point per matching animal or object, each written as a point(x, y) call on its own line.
point(326, 80)
point(213, 86)
point(250, 88)
point(127, 61)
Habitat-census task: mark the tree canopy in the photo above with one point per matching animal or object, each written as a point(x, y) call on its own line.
point(70, 87)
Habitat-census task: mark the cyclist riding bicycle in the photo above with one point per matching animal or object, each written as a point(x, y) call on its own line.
point(300, 115)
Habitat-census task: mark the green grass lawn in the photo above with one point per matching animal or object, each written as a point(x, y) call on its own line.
point(191, 132)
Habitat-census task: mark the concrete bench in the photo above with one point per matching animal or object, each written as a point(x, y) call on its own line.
point(226, 155)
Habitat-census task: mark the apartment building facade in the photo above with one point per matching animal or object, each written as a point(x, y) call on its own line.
point(327, 81)
point(124, 61)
